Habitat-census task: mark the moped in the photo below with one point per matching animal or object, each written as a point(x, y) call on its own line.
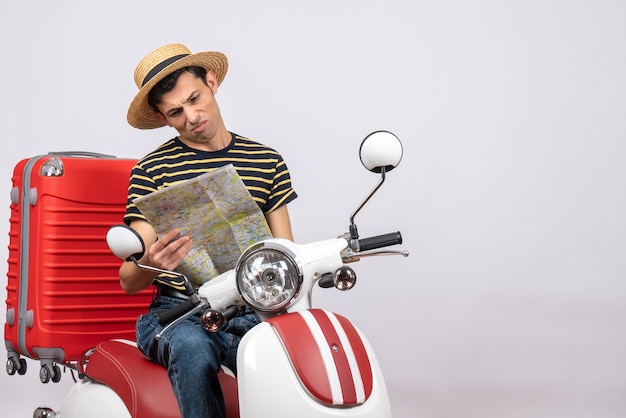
point(299, 361)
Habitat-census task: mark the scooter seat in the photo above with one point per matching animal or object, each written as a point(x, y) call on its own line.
point(142, 384)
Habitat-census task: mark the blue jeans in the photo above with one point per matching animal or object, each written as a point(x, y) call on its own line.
point(193, 357)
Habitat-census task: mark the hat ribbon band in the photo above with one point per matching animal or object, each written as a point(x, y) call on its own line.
point(157, 68)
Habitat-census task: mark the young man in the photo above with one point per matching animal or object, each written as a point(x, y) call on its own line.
point(177, 89)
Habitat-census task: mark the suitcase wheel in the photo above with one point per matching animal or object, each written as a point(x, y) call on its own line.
point(45, 374)
point(14, 365)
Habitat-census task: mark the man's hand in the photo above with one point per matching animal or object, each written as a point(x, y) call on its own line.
point(169, 250)
point(165, 253)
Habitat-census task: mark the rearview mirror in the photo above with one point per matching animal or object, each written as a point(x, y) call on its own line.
point(380, 149)
point(125, 242)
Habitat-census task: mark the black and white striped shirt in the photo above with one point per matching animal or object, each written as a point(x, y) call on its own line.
point(261, 168)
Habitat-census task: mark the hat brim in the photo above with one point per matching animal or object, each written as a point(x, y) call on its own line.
point(141, 115)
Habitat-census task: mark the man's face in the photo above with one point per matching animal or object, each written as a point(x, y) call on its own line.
point(192, 110)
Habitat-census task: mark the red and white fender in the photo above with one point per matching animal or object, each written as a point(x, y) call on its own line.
point(311, 363)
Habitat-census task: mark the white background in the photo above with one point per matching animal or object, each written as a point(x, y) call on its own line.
point(511, 195)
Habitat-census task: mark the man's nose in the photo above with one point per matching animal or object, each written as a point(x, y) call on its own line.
point(190, 114)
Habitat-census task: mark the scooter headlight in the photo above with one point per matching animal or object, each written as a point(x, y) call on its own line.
point(268, 277)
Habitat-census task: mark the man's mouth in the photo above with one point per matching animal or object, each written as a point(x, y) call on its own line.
point(198, 127)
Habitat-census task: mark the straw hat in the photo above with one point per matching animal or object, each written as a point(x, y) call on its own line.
point(157, 65)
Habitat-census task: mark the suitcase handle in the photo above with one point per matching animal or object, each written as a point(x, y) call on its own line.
point(81, 154)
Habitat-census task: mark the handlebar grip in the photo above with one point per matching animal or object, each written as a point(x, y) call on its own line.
point(173, 313)
point(230, 312)
point(380, 241)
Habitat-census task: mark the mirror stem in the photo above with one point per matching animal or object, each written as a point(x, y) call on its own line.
point(354, 234)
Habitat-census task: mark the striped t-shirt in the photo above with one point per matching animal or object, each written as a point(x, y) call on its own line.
point(261, 169)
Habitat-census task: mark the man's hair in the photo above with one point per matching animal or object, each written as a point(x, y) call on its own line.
point(169, 82)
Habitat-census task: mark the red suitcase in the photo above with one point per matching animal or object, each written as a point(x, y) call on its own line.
point(63, 291)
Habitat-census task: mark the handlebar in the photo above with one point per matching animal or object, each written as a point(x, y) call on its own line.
point(357, 249)
point(188, 306)
point(379, 241)
point(179, 310)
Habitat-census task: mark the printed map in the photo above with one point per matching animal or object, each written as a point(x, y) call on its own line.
point(219, 214)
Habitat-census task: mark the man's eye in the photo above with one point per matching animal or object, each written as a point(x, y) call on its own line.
point(174, 113)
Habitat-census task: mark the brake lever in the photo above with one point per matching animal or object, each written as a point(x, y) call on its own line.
point(356, 256)
point(201, 305)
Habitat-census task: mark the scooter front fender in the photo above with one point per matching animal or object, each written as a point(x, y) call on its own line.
point(304, 380)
